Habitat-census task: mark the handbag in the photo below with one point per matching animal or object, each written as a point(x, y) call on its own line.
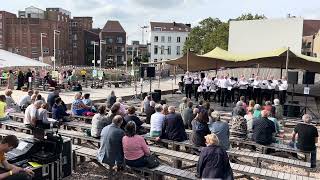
point(152, 161)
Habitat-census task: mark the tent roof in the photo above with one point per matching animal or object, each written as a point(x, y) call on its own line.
point(9, 59)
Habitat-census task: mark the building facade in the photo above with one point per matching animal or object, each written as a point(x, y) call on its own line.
point(138, 50)
point(167, 40)
point(113, 51)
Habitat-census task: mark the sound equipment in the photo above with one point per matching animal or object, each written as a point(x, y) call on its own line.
point(182, 77)
point(142, 72)
point(151, 71)
point(308, 77)
point(292, 109)
point(158, 96)
point(66, 160)
point(292, 77)
point(202, 75)
point(23, 151)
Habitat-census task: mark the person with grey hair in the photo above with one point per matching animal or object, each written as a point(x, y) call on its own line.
point(183, 104)
point(156, 122)
point(173, 127)
point(146, 103)
point(239, 110)
point(221, 129)
point(263, 129)
point(111, 150)
point(257, 111)
point(111, 99)
point(278, 109)
point(149, 111)
point(31, 114)
point(307, 138)
point(78, 107)
point(187, 115)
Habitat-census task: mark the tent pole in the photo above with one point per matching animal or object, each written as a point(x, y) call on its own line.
point(216, 69)
point(188, 60)
point(258, 70)
point(287, 61)
point(175, 77)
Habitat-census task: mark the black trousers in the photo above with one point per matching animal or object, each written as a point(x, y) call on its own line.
point(218, 93)
point(224, 96)
point(283, 96)
point(257, 95)
point(188, 90)
point(196, 94)
point(250, 93)
point(265, 94)
point(271, 91)
point(243, 92)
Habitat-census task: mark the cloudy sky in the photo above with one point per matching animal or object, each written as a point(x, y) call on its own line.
point(135, 13)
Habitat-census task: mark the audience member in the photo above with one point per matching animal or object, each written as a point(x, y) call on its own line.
point(173, 127)
point(263, 129)
point(200, 128)
point(99, 121)
point(131, 116)
point(3, 108)
point(195, 112)
point(238, 125)
point(122, 110)
point(165, 110)
point(51, 98)
point(257, 111)
point(279, 109)
point(111, 149)
point(59, 112)
point(221, 129)
point(251, 105)
point(149, 111)
point(213, 161)
point(156, 122)
point(243, 100)
point(36, 92)
point(187, 115)
point(43, 117)
point(268, 106)
point(111, 99)
point(146, 103)
point(239, 110)
point(274, 119)
point(78, 107)
point(183, 105)
point(307, 138)
point(135, 148)
point(25, 101)
point(11, 104)
point(88, 102)
point(31, 114)
point(249, 118)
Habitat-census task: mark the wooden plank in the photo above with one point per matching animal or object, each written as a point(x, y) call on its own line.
point(281, 175)
point(257, 171)
point(274, 174)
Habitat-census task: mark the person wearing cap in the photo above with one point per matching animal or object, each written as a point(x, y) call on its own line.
point(213, 161)
point(221, 129)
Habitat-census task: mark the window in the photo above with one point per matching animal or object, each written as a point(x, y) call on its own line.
point(109, 49)
point(178, 50)
point(169, 50)
point(74, 24)
point(0, 25)
point(155, 60)
point(17, 50)
point(157, 29)
point(178, 39)
point(156, 38)
point(45, 50)
point(34, 50)
point(309, 45)
point(0, 16)
point(162, 49)
point(74, 45)
point(119, 39)
point(120, 59)
point(308, 53)
point(162, 38)
point(109, 40)
point(75, 37)
point(169, 39)
point(155, 49)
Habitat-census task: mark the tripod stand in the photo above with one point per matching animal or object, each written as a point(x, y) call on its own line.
point(306, 107)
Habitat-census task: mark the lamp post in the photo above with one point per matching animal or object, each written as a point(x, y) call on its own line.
point(94, 53)
point(55, 32)
point(41, 44)
point(101, 42)
point(142, 28)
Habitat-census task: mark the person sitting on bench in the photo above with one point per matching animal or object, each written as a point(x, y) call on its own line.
point(9, 171)
point(111, 99)
point(221, 129)
point(99, 121)
point(263, 129)
point(156, 121)
point(31, 115)
point(307, 138)
point(59, 111)
point(25, 101)
point(200, 128)
point(131, 116)
point(78, 107)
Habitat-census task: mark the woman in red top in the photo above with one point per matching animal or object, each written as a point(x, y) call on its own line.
point(135, 148)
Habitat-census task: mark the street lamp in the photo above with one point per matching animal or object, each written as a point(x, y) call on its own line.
point(55, 32)
point(94, 53)
point(101, 42)
point(41, 36)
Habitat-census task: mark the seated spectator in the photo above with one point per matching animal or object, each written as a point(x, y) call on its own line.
point(257, 111)
point(268, 106)
point(3, 108)
point(31, 114)
point(221, 129)
point(187, 115)
point(274, 120)
point(279, 110)
point(122, 110)
point(238, 110)
point(146, 103)
point(149, 111)
point(11, 104)
point(195, 112)
point(238, 125)
point(156, 122)
point(59, 111)
point(111, 149)
point(131, 116)
point(25, 101)
point(135, 148)
point(78, 107)
point(99, 121)
point(173, 127)
point(213, 161)
point(199, 106)
point(51, 98)
point(207, 106)
point(43, 117)
point(165, 110)
point(263, 129)
point(251, 105)
point(111, 99)
point(183, 104)
point(88, 102)
point(243, 100)
point(249, 118)
point(36, 92)
point(200, 128)
point(307, 138)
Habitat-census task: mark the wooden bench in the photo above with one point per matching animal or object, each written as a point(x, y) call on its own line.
point(77, 137)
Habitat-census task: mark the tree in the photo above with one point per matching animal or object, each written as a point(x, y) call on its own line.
point(212, 33)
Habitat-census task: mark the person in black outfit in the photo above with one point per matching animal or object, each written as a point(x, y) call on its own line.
point(188, 80)
point(29, 74)
point(307, 138)
point(263, 129)
point(52, 97)
point(131, 116)
point(214, 161)
point(20, 80)
point(173, 127)
point(200, 128)
point(149, 111)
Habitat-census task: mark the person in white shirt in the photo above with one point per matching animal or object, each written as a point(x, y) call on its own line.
point(264, 90)
point(207, 83)
point(257, 90)
point(243, 86)
point(156, 121)
point(231, 88)
point(250, 87)
point(272, 86)
point(216, 82)
point(283, 86)
point(213, 89)
point(188, 80)
point(25, 101)
point(196, 82)
point(224, 84)
point(31, 114)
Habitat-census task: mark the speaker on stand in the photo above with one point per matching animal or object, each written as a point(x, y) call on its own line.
point(151, 72)
point(308, 78)
point(292, 79)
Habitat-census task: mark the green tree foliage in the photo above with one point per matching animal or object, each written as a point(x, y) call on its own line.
point(211, 33)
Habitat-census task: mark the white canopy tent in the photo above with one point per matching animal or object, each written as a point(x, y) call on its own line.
point(9, 59)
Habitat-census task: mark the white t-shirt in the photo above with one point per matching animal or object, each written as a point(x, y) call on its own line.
point(30, 113)
point(283, 86)
point(156, 121)
point(25, 100)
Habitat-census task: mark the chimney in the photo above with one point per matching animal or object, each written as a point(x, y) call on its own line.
point(189, 25)
point(174, 23)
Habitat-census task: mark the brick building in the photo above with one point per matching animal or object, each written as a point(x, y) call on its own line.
point(113, 53)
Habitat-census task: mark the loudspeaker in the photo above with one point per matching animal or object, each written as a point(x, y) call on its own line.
point(66, 157)
point(308, 77)
point(291, 110)
point(292, 77)
point(202, 75)
point(142, 72)
point(159, 94)
point(151, 72)
point(182, 77)
point(155, 96)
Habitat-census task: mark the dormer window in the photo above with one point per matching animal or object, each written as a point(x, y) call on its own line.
point(157, 28)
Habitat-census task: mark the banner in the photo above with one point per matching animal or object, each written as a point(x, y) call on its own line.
point(100, 74)
point(55, 74)
point(94, 73)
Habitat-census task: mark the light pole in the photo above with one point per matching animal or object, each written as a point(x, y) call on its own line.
point(143, 27)
point(94, 53)
point(41, 44)
point(55, 32)
point(101, 42)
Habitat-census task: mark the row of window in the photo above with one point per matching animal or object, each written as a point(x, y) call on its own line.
point(169, 39)
point(119, 40)
point(167, 50)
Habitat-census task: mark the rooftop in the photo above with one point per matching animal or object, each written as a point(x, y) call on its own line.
point(164, 26)
point(113, 26)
